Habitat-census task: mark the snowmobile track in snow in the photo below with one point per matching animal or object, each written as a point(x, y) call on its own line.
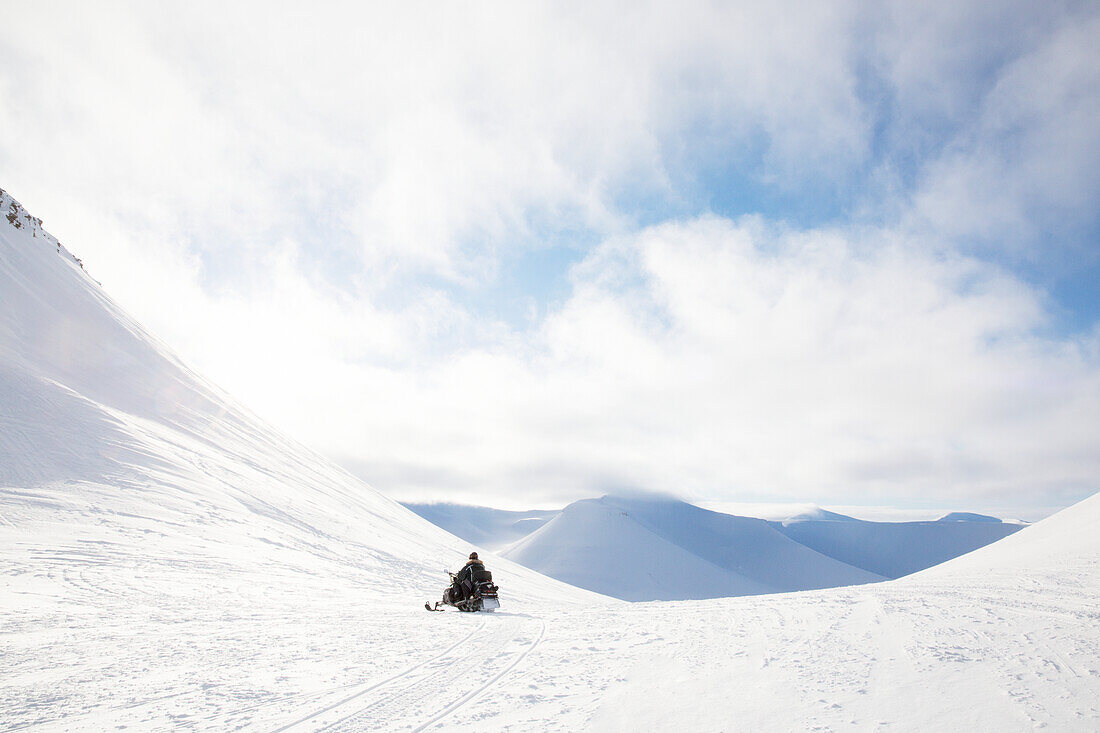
point(478, 692)
point(394, 678)
point(436, 689)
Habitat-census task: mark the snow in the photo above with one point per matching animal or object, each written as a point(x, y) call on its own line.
point(895, 549)
point(677, 551)
point(823, 515)
point(967, 517)
point(154, 534)
point(167, 561)
point(663, 549)
point(108, 439)
point(484, 526)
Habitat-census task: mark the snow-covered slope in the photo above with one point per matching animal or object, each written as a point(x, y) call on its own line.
point(484, 526)
point(1005, 638)
point(968, 517)
point(648, 549)
point(663, 549)
point(726, 554)
point(169, 563)
point(135, 496)
point(894, 549)
point(817, 513)
point(1070, 538)
point(106, 432)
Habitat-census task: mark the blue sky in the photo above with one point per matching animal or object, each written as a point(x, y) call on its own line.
point(519, 255)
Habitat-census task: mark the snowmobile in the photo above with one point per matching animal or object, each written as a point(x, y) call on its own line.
point(482, 596)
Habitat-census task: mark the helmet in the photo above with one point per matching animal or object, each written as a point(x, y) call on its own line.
point(473, 555)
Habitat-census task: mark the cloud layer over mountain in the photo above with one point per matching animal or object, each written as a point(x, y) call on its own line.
point(803, 251)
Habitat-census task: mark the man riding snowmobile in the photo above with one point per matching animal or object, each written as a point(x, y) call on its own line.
point(472, 589)
point(465, 578)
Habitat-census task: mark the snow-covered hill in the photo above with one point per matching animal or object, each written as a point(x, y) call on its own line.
point(663, 549)
point(1001, 639)
point(894, 549)
point(137, 501)
point(108, 437)
point(484, 526)
point(168, 562)
point(654, 549)
point(968, 517)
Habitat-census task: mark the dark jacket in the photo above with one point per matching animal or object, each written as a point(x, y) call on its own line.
point(467, 572)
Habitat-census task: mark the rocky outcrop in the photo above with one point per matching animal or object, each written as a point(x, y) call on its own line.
point(20, 218)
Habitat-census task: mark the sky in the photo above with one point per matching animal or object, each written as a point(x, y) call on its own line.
point(518, 254)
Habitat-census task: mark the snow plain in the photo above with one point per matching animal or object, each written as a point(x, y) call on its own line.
point(170, 562)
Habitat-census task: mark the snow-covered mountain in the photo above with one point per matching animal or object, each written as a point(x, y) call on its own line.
point(484, 526)
point(663, 549)
point(168, 562)
point(1004, 638)
point(108, 438)
point(968, 517)
point(137, 499)
point(894, 549)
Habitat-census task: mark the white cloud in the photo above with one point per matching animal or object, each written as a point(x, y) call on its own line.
point(426, 136)
point(717, 359)
point(279, 189)
point(1021, 173)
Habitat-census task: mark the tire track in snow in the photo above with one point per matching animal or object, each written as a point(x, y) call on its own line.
point(444, 688)
point(484, 688)
point(1038, 639)
point(400, 707)
point(402, 674)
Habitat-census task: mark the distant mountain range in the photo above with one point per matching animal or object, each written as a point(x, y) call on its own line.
point(642, 549)
point(492, 529)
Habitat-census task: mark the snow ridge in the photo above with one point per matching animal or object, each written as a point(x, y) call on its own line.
point(483, 526)
point(19, 218)
point(663, 549)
